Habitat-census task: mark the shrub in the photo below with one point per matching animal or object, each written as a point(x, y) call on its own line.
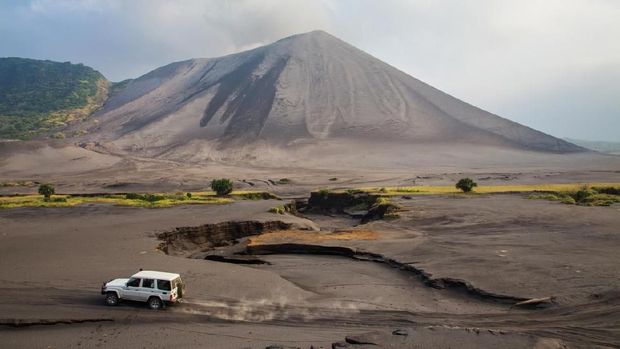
point(152, 197)
point(284, 181)
point(582, 194)
point(600, 200)
point(278, 209)
point(607, 190)
point(144, 197)
point(466, 184)
point(383, 190)
point(133, 196)
point(222, 186)
point(257, 195)
point(567, 199)
point(47, 190)
point(189, 195)
point(333, 179)
point(546, 196)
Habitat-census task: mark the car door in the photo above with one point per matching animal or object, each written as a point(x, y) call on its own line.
point(132, 290)
point(147, 289)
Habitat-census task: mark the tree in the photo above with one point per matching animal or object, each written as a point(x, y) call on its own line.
point(466, 184)
point(46, 190)
point(222, 186)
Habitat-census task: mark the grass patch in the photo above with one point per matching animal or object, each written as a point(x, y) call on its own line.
point(254, 195)
point(484, 189)
point(148, 200)
point(595, 194)
point(584, 196)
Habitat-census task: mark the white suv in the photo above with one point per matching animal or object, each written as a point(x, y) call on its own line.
point(154, 287)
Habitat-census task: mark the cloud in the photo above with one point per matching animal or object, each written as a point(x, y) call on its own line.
point(525, 60)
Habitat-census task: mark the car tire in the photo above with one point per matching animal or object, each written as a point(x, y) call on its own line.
point(111, 298)
point(155, 303)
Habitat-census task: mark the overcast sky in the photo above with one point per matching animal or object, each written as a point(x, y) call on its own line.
point(553, 65)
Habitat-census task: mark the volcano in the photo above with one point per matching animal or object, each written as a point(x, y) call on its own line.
point(307, 88)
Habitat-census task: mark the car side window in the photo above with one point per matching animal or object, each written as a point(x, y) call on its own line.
point(133, 282)
point(148, 283)
point(163, 285)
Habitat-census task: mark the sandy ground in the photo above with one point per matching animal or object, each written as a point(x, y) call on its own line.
point(54, 260)
point(80, 171)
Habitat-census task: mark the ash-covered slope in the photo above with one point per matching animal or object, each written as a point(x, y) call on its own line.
point(307, 86)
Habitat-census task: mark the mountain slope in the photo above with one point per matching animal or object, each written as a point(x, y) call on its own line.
point(307, 87)
point(600, 146)
point(36, 95)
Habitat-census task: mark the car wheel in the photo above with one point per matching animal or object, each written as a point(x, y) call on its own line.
point(155, 303)
point(111, 298)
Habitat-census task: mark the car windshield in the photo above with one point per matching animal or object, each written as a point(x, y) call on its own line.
point(133, 282)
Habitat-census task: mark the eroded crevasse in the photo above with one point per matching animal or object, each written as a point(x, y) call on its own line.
point(184, 240)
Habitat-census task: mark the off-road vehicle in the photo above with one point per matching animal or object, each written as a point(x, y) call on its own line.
point(156, 288)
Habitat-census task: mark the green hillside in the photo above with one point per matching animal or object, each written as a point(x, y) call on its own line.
point(39, 96)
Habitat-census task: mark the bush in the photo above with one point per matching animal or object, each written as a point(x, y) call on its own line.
point(222, 186)
point(278, 209)
point(144, 197)
point(133, 196)
point(567, 199)
point(189, 195)
point(466, 184)
point(47, 190)
point(582, 194)
point(607, 190)
point(284, 181)
point(152, 197)
point(333, 179)
point(257, 195)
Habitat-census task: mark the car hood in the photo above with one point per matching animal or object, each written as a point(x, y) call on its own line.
point(117, 282)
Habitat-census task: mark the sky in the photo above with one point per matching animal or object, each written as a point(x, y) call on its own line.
point(553, 65)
